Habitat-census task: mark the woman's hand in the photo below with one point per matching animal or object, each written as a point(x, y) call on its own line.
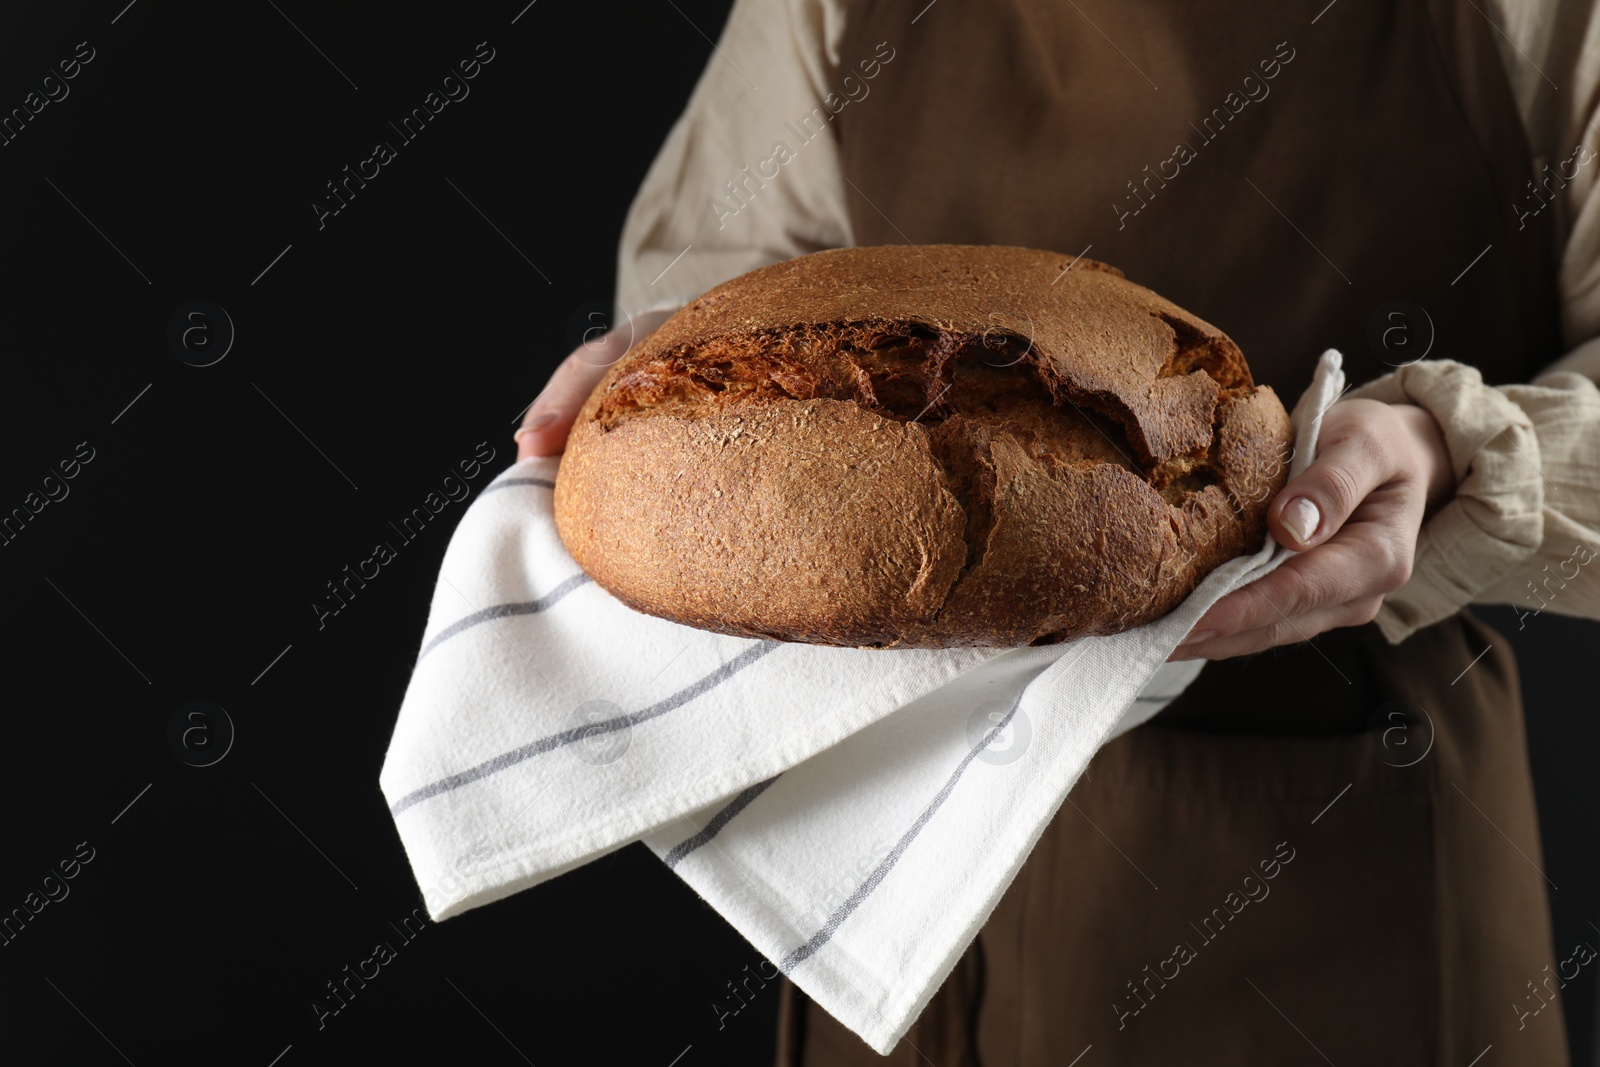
point(1353, 516)
point(549, 418)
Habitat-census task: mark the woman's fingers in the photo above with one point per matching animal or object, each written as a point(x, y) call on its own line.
point(1285, 630)
point(1351, 462)
point(1301, 584)
point(549, 418)
point(1351, 518)
point(1369, 555)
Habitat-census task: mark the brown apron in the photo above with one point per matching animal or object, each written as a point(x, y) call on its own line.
point(1328, 852)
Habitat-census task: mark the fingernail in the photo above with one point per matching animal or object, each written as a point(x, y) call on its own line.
point(1198, 636)
point(539, 422)
point(1300, 518)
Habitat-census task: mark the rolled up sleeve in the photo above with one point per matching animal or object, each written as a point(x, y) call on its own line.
point(1527, 462)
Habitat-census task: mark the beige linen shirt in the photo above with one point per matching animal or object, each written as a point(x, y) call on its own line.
point(1524, 523)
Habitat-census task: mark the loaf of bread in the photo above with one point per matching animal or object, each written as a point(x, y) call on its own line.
point(921, 447)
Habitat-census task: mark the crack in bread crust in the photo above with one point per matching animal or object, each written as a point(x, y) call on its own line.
point(972, 384)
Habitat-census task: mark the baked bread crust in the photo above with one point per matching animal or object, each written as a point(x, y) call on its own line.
point(921, 447)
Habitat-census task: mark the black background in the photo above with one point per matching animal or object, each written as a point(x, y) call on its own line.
point(372, 356)
point(396, 338)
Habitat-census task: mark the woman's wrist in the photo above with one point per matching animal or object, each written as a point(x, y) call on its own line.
point(1493, 520)
point(1433, 454)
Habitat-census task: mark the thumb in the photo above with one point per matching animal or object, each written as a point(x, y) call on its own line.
point(549, 418)
point(1350, 464)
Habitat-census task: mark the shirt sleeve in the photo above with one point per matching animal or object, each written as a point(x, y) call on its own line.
point(750, 173)
point(1527, 502)
point(1565, 411)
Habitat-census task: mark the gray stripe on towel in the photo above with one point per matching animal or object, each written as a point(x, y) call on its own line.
point(504, 611)
point(509, 482)
point(577, 733)
point(863, 891)
point(718, 821)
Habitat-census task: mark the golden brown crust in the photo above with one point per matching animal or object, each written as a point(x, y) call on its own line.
point(921, 447)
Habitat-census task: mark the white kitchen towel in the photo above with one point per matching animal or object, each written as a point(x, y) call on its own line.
point(855, 814)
